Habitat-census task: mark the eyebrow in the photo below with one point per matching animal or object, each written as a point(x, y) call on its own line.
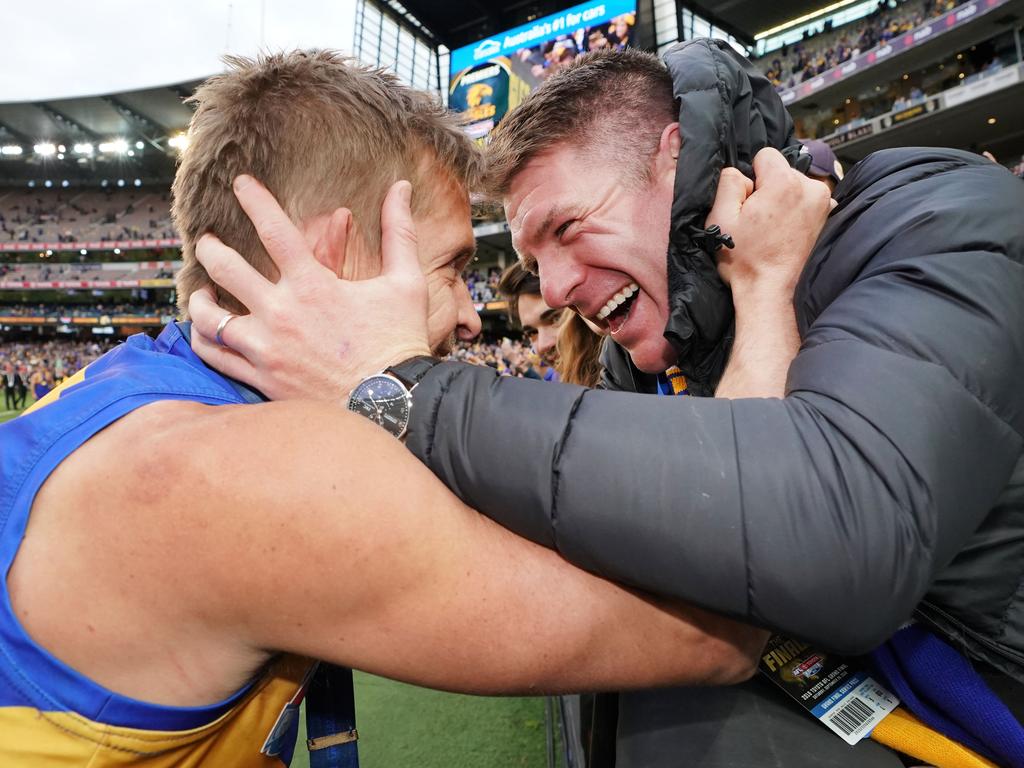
point(551, 315)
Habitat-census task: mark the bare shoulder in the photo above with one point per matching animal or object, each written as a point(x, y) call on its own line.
point(178, 520)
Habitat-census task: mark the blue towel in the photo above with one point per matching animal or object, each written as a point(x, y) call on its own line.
point(939, 685)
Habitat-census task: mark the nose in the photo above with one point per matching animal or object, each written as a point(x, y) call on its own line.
point(547, 335)
point(468, 320)
point(559, 277)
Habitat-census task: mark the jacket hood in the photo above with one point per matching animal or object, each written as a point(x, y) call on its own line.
point(727, 113)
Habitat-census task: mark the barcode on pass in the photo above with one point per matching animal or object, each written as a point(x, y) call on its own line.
point(852, 716)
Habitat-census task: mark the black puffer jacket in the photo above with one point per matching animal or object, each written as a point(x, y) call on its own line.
point(890, 478)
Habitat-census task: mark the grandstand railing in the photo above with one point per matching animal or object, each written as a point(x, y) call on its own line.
point(970, 89)
point(957, 17)
point(20, 246)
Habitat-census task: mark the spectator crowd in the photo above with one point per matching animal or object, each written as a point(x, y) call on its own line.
point(818, 53)
point(507, 357)
point(66, 216)
point(144, 309)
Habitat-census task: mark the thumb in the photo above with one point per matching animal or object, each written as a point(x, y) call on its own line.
point(733, 190)
point(398, 233)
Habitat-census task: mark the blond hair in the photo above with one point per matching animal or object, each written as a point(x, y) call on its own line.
point(614, 102)
point(320, 131)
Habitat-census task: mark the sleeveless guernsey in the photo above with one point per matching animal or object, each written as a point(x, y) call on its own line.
point(50, 715)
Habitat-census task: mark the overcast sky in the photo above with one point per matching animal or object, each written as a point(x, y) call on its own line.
point(62, 48)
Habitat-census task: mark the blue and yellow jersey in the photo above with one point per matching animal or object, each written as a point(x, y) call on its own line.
point(52, 716)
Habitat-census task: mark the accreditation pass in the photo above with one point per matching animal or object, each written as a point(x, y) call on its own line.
point(847, 700)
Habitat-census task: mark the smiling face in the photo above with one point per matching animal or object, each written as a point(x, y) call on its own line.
point(600, 246)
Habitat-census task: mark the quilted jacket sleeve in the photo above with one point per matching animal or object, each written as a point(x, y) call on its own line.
point(826, 514)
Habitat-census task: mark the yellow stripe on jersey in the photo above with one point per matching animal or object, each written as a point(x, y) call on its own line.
point(30, 738)
point(54, 393)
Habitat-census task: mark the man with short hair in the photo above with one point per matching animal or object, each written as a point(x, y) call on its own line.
point(222, 541)
point(884, 483)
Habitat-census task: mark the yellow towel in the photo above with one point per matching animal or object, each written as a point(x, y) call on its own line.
point(903, 732)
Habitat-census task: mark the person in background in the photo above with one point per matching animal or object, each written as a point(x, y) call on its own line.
point(527, 309)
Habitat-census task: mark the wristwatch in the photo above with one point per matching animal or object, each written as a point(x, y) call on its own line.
point(386, 398)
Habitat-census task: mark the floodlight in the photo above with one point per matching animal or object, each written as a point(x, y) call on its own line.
point(10, 149)
point(83, 149)
point(117, 146)
point(138, 145)
point(84, 252)
point(120, 182)
point(61, 148)
point(45, 149)
point(117, 251)
point(179, 142)
point(138, 182)
point(47, 183)
point(65, 183)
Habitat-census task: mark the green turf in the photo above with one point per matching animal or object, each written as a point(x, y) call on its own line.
point(401, 726)
point(8, 415)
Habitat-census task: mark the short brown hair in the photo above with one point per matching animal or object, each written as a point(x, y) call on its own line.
point(618, 100)
point(320, 131)
point(514, 282)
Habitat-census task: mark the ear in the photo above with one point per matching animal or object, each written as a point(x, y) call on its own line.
point(331, 246)
point(668, 153)
point(670, 141)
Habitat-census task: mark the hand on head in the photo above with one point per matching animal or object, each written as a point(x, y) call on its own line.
point(311, 334)
point(774, 223)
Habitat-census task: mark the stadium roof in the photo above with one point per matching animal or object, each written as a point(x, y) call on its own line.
point(459, 22)
point(84, 126)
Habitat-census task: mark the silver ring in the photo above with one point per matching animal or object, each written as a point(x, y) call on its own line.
point(220, 328)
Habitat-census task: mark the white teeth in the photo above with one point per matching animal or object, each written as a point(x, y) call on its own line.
point(616, 300)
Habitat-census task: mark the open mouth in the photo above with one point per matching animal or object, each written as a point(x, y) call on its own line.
point(616, 311)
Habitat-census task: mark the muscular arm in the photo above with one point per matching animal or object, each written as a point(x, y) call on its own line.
point(303, 528)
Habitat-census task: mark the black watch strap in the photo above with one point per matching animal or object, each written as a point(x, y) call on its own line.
point(410, 371)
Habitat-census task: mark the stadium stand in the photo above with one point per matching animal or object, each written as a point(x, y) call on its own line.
point(818, 53)
point(73, 215)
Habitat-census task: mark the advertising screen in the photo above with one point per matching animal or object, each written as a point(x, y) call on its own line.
point(491, 77)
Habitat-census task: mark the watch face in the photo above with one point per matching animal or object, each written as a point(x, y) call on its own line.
point(383, 399)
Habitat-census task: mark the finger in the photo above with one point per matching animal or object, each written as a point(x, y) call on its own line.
point(733, 190)
point(232, 273)
point(398, 233)
point(281, 238)
point(770, 165)
point(227, 361)
point(206, 316)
